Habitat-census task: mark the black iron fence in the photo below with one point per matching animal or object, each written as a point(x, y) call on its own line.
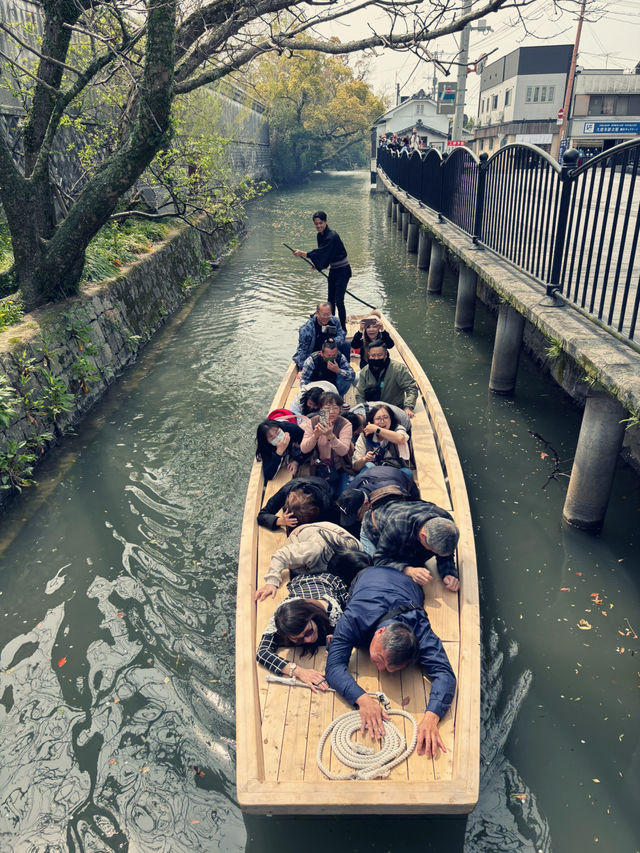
point(576, 229)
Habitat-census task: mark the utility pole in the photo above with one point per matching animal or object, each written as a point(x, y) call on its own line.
point(463, 60)
point(569, 90)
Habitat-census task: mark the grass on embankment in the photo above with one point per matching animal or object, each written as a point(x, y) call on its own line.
point(113, 247)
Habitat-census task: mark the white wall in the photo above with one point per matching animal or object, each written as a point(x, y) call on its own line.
point(519, 108)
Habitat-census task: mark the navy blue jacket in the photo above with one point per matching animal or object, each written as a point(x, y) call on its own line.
point(376, 591)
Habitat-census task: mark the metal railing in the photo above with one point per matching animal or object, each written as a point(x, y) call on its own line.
point(575, 229)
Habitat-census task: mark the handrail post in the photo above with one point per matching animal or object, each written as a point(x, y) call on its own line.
point(445, 155)
point(569, 163)
point(483, 168)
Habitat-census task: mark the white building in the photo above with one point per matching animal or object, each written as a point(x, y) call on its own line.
point(605, 109)
point(520, 95)
point(419, 111)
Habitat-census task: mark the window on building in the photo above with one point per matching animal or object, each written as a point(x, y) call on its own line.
point(529, 97)
point(543, 95)
point(507, 97)
point(622, 105)
point(634, 105)
point(551, 94)
point(595, 105)
point(608, 105)
point(494, 102)
point(581, 105)
point(536, 94)
point(491, 143)
point(419, 109)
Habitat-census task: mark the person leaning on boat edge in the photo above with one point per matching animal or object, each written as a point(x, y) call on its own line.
point(322, 324)
point(404, 534)
point(387, 381)
point(330, 253)
point(385, 612)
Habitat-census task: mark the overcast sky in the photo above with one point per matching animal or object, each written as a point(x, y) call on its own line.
point(612, 41)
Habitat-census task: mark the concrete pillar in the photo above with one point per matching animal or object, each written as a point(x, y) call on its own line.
point(401, 215)
point(599, 444)
point(436, 268)
point(466, 301)
point(406, 219)
point(389, 205)
point(424, 249)
point(506, 350)
point(412, 236)
point(394, 212)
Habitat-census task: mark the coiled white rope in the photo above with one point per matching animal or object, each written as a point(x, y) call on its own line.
point(368, 763)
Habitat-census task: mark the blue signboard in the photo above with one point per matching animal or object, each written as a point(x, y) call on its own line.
point(563, 148)
point(612, 127)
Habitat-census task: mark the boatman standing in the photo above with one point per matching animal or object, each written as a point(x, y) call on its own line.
point(330, 253)
point(385, 613)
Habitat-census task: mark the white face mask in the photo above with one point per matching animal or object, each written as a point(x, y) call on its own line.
point(275, 440)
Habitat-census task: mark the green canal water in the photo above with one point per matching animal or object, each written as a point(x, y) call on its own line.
point(117, 583)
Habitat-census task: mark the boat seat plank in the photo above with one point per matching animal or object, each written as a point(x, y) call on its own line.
point(292, 761)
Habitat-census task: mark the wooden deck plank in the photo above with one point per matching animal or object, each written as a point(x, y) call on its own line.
point(292, 761)
point(443, 762)
point(391, 685)
point(420, 769)
point(442, 606)
point(274, 719)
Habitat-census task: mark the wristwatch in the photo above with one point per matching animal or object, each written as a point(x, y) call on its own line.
point(293, 666)
point(377, 430)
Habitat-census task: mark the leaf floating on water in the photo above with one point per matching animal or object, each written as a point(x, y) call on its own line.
point(193, 822)
point(144, 769)
point(62, 661)
point(564, 589)
point(597, 781)
point(112, 761)
point(116, 700)
point(521, 797)
point(166, 681)
point(120, 614)
point(579, 574)
point(584, 625)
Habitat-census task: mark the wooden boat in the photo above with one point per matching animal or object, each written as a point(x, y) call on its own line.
point(278, 727)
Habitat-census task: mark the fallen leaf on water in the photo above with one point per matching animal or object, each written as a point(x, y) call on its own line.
point(166, 681)
point(120, 614)
point(596, 780)
point(144, 769)
point(112, 761)
point(193, 822)
point(521, 797)
point(579, 574)
point(564, 589)
point(544, 455)
point(584, 625)
point(62, 661)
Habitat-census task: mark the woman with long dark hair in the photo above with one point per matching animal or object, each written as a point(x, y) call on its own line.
point(283, 442)
point(308, 616)
point(371, 329)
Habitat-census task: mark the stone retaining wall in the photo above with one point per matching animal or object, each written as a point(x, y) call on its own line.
point(73, 350)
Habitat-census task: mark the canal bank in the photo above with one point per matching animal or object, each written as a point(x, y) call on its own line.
point(118, 590)
point(60, 359)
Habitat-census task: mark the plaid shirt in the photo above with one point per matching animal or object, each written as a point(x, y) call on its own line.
point(323, 587)
point(396, 535)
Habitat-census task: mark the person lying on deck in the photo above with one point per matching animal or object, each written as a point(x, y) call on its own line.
point(302, 500)
point(307, 401)
point(386, 380)
point(305, 618)
point(354, 502)
point(404, 534)
point(308, 549)
point(385, 613)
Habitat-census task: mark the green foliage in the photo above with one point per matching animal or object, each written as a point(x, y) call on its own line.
point(7, 402)
point(118, 244)
point(632, 421)
point(77, 325)
point(319, 113)
point(6, 252)
point(16, 465)
point(10, 312)
point(84, 373)
point(554, 350)
point(57, 399)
